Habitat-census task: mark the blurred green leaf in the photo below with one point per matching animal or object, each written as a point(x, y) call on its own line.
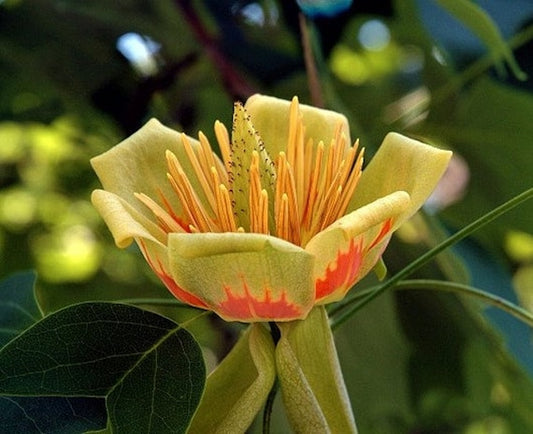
point(18, 308)
point(148, 368)
point(54, 297)
point(492, 130)
point(480, 23)
point(459, 370)
point(373, 354)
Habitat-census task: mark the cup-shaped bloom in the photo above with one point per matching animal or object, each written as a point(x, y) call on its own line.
point(286, 219)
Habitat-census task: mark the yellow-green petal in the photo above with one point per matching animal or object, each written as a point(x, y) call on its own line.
point(138, 165)
point(270, 117)
point(349, 248)
point(402, 164)
point(237, 389)
point(244, 276)
point(313, 390)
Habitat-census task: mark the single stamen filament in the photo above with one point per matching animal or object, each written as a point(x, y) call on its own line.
point(222, 136)
point(258, 208)
point(167, 223)
point(285, 186)
point(340, 145)
point(225, 211)
point(263, 212)
point(282, 218)
point(295, 151)
point(205, 154)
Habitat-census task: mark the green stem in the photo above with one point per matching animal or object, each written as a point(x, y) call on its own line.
point(460, 288)
point(426, 257)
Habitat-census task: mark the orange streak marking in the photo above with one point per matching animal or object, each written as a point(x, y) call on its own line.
point(343, 271)
point(245, 306)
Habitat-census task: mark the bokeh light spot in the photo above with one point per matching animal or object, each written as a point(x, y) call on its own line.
point(374, 35)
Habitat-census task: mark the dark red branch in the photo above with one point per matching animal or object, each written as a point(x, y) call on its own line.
point(237, 87)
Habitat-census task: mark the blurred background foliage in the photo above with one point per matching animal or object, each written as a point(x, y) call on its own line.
point(76, 77)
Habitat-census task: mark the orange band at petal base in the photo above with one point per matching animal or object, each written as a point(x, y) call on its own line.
point(246, 306)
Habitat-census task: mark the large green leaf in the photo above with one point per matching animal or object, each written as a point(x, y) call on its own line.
point(148, 368)
point(51, 415)
point(18, 309)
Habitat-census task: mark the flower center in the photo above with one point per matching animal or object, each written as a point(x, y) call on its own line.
point(299, 194)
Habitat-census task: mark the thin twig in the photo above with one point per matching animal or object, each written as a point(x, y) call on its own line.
point(462, 289)
point(313, 79)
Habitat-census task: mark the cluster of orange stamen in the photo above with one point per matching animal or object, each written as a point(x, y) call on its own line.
point(312, 189)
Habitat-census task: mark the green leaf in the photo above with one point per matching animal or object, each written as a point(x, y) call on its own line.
point(51, 415)
point(150, 369)
point(18, 308)
point(480, 23)
point(460, 367)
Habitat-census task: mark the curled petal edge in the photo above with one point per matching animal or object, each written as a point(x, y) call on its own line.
point(124, 221)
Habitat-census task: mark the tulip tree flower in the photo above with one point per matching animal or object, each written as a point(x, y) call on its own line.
point(285, 222)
